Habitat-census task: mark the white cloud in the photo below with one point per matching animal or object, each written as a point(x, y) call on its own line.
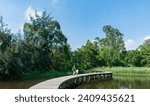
point(30, 12)
point(131, 44)
point(147, 37)
point(92, 41)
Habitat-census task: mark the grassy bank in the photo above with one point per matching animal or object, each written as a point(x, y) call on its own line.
point(125, 71)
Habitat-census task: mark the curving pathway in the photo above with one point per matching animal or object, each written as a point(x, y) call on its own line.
point(56, 82)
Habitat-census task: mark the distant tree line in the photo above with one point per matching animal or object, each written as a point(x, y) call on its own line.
point(43, 47)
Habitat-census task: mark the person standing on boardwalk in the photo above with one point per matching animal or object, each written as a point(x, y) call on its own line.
point(76, 72)
point(74, 69)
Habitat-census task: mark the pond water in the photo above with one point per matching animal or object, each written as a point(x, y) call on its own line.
point(116, 83)
point(119, 83)
point(18, 84)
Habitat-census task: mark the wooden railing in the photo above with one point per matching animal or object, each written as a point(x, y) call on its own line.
point(81, 79)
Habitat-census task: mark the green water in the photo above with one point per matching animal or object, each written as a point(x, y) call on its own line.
point(119, 83)
point(18, 84)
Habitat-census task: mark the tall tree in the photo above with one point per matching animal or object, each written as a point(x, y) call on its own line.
point(114, 43)
point(114, 38)
point(5, 36)
point(9, 62)
point(44, 37)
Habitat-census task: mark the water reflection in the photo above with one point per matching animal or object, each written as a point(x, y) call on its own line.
point(119, 83)
point(18, 84)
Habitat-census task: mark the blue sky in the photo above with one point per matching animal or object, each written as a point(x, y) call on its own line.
point(81, 20)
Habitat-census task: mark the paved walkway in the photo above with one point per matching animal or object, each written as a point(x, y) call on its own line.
point(54, 83)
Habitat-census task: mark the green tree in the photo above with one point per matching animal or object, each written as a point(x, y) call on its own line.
point(43, 37)
point(86, 56)
point(44, 47)
point(5, 36)
point(112, 47)
point(9, 61)
point(114, 38)
point(134, 58)
point(106, 54)
point(145, 52)
point(62, 58)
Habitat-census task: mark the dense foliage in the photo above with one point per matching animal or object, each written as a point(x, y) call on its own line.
point(42, 47)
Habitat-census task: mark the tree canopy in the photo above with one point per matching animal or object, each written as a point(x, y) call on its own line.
point(43, 47)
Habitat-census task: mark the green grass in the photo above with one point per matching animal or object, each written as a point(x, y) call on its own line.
point(45, 75)
point(125, 71)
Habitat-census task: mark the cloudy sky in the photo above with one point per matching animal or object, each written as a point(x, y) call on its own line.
point(81, 20)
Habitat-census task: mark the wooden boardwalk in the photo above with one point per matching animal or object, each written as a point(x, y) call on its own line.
point(56, 82)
